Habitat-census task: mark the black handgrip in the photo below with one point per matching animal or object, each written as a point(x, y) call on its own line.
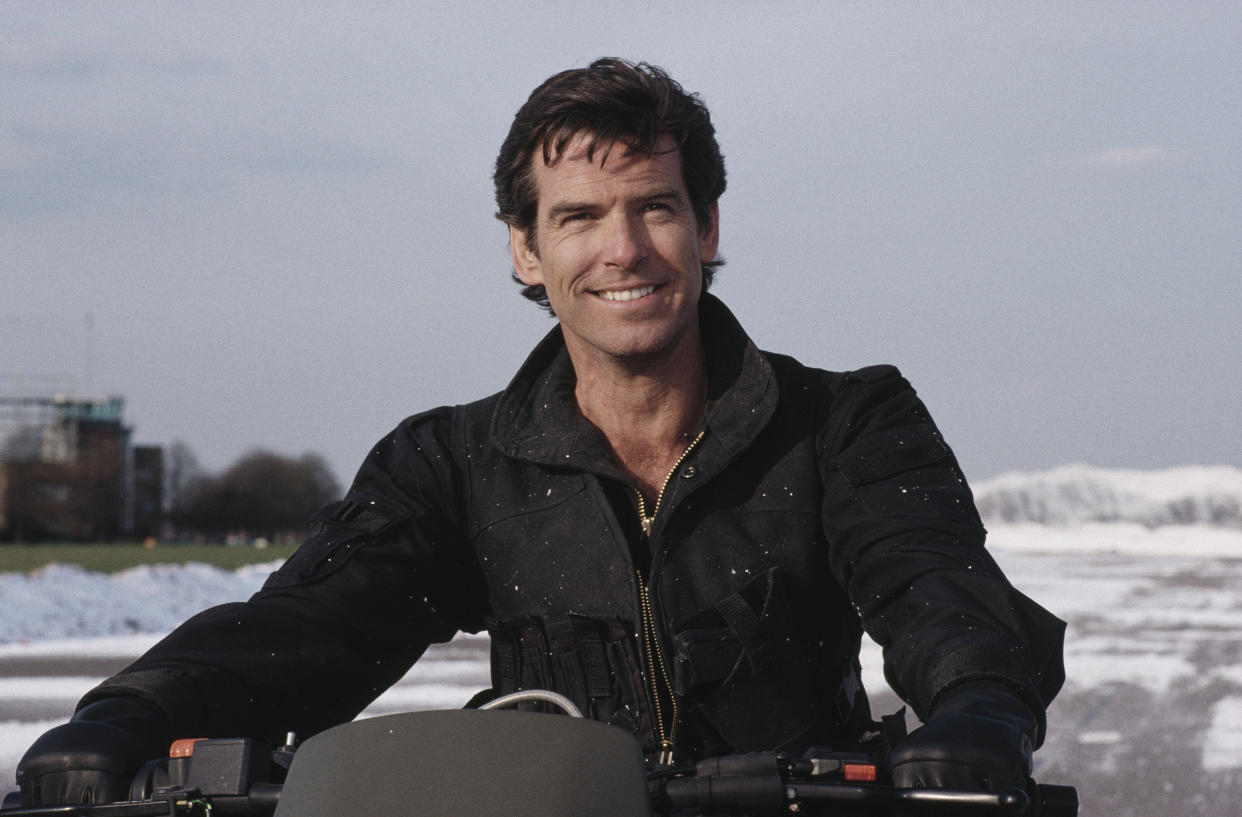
point(759, 794)
point(1055, 801)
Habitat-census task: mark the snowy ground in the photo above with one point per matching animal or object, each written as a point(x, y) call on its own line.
point(1150, 721)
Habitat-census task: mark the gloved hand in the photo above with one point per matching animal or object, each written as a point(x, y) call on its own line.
point(979, 737)
point(94, 757)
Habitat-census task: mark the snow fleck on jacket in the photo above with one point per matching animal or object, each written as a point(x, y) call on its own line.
point(814, 504)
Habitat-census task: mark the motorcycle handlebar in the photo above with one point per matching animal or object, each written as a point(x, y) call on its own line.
point(765, 795)
point(241, 778)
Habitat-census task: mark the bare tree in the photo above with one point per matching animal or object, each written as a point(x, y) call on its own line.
point(182, 469)
point(262, 494)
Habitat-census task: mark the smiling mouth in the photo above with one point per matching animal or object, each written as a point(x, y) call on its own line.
point(625, 294)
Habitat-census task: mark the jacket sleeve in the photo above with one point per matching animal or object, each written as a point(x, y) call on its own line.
point(383, 574)
point(908, 546)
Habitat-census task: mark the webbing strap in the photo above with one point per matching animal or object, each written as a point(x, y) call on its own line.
point(532, 654)
point(504, 665)
point(742, 620)
point(565, 654)
point(590, 649)
point(568, 668)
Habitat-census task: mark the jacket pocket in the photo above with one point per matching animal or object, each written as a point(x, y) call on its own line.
point(748, 668)
point(908, 473)
point(337, 531)
point(592, 661)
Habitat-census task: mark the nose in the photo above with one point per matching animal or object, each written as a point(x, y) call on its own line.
point(625, 242)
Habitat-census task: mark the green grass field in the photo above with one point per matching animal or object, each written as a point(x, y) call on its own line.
point(110, 558)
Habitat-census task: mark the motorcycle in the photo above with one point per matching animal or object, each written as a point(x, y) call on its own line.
point(496, 761)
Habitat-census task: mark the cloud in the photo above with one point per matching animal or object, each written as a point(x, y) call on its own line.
point(1126, 157)
point(69, 48)
point(66, 169)
point(1135, 156)
point(31, 59)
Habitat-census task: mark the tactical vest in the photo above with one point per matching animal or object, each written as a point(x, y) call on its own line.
point(734, 638)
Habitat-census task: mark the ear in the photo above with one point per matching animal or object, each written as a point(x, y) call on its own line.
point(709, 236)
point(525, 258)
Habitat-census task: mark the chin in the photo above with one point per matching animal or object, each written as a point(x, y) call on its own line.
point(646, 348)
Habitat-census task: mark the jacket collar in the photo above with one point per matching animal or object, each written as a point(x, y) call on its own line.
point(537, 418)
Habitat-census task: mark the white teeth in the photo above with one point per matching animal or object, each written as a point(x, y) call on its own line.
point(626, 294)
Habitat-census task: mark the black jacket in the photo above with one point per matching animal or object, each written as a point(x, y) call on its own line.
point(813, 503)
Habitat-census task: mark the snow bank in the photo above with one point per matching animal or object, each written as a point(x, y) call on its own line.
point(1075, 494)
point(65, 601)
point(1128, 538)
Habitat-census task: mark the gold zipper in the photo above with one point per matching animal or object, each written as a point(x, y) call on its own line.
point(647, 521)
point(655, 661)
point(655, 658)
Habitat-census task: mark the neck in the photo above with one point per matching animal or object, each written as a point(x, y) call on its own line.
point(659, 410)
point(648, 410)
point(663, 395)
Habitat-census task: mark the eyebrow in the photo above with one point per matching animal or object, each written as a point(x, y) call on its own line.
point(664, 195)
point(569, 207)
point(566, 208)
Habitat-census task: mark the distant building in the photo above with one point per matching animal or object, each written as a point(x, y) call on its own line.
point(72, 474)
point(147, 491)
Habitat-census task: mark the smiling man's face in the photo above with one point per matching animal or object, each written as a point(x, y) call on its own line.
point(618, 250)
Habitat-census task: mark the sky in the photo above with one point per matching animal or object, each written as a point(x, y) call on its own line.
point(270, 224)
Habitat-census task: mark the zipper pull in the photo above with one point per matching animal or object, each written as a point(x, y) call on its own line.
point(665, 757)
point(646, 522)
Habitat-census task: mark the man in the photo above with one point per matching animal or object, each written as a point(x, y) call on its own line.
point(676, 530)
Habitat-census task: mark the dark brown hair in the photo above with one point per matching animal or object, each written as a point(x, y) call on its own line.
point(614, 101)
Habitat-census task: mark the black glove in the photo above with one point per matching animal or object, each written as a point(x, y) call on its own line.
point(979, 737)
point(94, 757)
